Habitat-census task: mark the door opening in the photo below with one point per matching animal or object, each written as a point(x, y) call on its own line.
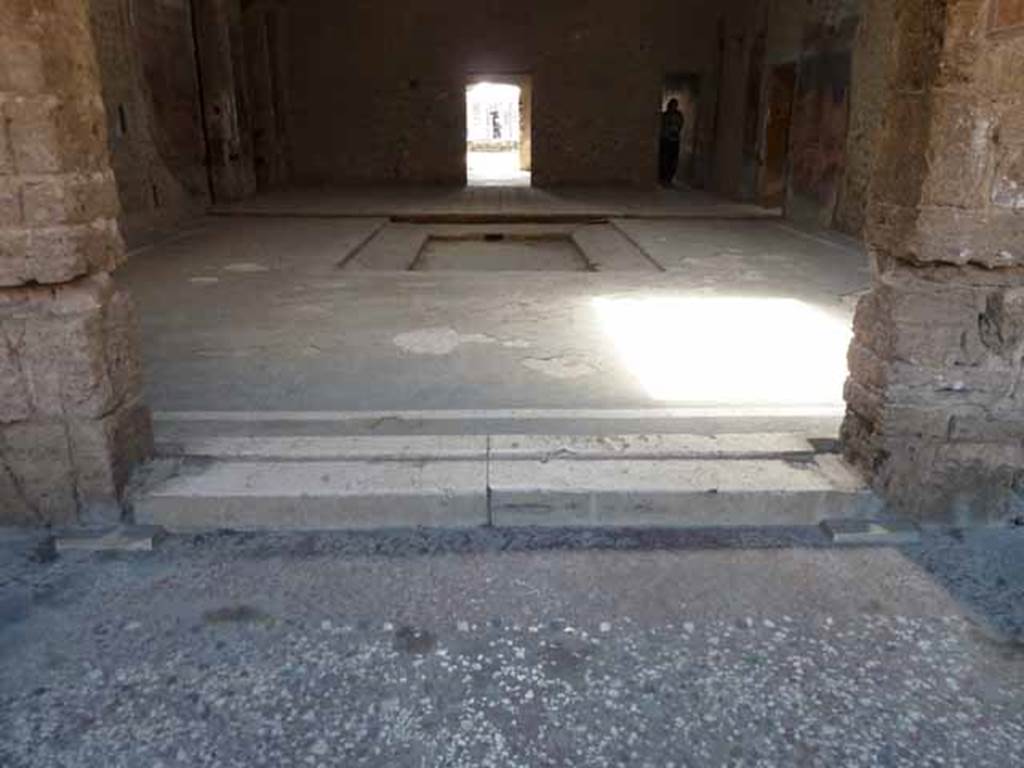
point(498, 146)
point(684, 89)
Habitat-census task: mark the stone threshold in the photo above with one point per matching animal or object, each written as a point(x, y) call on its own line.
point(283, 482)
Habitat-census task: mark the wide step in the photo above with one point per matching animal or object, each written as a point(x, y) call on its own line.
point(361, 482)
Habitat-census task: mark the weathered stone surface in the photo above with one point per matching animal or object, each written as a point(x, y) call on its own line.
point(71, 419)
point(70, 388)
point(103, 453)
point(71, 380)
point(934, 405)
point(37, 484)
point(934, 397)
point(72, 472)
point(56, 254)
point(68, 350)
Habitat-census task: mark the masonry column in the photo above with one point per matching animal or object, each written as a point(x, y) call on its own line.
point(936, 396)
point(72, 423)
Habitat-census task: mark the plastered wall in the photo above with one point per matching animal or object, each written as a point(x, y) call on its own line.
point(376, 90)
point(154, 122)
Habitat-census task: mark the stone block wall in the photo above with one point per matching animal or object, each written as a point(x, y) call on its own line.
point(72, 422)
point(935, 392)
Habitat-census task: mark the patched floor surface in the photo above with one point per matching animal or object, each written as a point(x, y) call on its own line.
point(494, 648)
point(265, 313)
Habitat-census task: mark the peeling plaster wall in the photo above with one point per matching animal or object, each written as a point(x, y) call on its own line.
point(841, 51)
point(376, 90)
point(154, 123)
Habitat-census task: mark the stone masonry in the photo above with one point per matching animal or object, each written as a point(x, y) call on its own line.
point(72, 422)
point(936, 398)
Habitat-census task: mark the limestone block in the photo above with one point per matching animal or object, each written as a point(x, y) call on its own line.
point(32, 128)
point(122, 345)
point(962, 42)
point(15, 402)
point(904, 146)
point(990, 238)
point(10, 201)
point(6, 156)
point(960, 151)
point(73, 347)
point(75, 198)
point(1008, 184)
point(50, 134)
point(1001, 326)
point(59, 253)
point(998, 72)
point(1005, 425)
point(930, 329)
point(36, 477)
point(103, 453)
point(958, 483)
point(920, 35)
point(23, 65)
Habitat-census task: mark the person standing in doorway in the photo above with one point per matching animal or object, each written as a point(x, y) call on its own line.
point(671, 134)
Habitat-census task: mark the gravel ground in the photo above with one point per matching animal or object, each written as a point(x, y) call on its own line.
point(527, 648)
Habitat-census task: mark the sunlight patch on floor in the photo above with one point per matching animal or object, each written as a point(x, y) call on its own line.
point(729, 350)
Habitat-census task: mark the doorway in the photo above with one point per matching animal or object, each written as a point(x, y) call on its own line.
point(498, 131)
point(685, 89)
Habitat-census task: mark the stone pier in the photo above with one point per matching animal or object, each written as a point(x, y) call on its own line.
point(936, 400)
point(72, 422)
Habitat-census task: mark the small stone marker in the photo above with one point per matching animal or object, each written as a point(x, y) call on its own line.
point(135, 538)
point(888, 531)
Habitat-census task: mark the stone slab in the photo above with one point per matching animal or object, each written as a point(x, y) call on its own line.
point(317, 495)
point(608, 250)
point(684, 493)
point(649, 446)
point(121, 539)
point(392, 249)
point(328, 448)
point(888, 531)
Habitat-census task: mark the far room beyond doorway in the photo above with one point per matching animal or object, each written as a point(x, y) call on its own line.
point(498, 132)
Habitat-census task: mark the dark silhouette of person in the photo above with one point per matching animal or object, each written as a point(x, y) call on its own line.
point(668, 149)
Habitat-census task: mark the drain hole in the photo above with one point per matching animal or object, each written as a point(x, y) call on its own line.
point(494, 237)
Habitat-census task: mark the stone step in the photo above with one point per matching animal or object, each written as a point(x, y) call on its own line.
point(712, 493)
point(815, 421)
point(313, 495)
point(661, 480)
point(480, 447)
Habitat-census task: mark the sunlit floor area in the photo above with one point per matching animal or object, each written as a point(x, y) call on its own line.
point(495, 169)
point(254, 313)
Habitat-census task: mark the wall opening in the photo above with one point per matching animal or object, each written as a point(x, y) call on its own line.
point(685, 90)
point(498, 129)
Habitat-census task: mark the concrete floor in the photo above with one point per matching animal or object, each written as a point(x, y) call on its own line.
point(499, 648)
point(253, 313)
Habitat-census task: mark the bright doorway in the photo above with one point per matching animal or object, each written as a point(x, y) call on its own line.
point(498, 145)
